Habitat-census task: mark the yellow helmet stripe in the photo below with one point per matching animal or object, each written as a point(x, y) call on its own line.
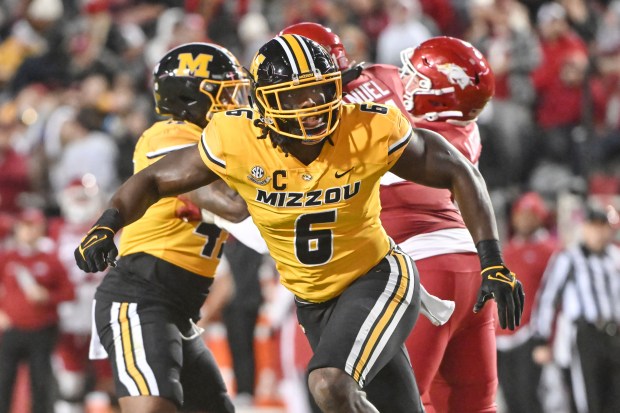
point(296, 52)
point(301, 52)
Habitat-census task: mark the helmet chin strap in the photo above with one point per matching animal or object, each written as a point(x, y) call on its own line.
point(312, 142)
point(433, 116)
point(260, 123)
point(409, 95)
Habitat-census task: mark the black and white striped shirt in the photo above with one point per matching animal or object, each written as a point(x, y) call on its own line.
point(583, 285)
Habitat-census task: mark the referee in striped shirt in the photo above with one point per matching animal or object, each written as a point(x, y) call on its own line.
point(583, 282)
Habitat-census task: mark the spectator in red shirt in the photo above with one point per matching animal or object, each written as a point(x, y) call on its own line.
point(561, 46)
point(560, 82)
point(527, 252)
point(32, 284)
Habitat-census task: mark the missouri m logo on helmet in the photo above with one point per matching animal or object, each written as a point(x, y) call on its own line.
point(196, 66)
point(296, 88)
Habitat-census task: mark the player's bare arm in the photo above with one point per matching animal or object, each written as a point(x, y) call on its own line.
point(220, 199)
point(176, 173)
point(430, 160)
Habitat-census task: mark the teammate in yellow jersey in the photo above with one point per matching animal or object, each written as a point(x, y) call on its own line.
point(145, 307)
point(309, 169)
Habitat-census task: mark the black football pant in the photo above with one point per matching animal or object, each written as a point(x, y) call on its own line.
point(599, 355)
point(35, 348)
point(519, 377)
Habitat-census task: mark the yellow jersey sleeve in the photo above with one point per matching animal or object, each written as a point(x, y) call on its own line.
point(400, 136)
point(161, 139)
point(225, 142)
point(211, 149)
point(193, 246)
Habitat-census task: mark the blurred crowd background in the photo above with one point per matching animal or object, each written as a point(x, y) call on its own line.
point(75, 81)
point(75, 95)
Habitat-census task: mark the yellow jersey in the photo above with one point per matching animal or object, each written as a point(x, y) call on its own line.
point(193, 246)
point(320, 221)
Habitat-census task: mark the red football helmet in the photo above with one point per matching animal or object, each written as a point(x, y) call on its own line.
point(446, 78)
point(323, 36)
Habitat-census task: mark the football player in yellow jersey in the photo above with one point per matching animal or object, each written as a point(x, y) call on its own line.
point(146, 306)
point(309, 169)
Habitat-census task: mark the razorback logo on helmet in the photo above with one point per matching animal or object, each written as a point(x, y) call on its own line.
point(197, 66)
point(455, 74)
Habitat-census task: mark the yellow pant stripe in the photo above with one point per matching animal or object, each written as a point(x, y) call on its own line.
point(128, 355)
point(385, 317)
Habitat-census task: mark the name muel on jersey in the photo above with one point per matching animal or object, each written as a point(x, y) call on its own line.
point(308, 199)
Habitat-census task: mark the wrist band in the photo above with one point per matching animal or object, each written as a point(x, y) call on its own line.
point(110, 219)
point(489, 253)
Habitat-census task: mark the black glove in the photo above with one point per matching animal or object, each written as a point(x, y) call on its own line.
point(500, 283)
point(97, 249)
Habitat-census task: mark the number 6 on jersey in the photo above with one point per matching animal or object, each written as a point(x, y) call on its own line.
point(314, 246)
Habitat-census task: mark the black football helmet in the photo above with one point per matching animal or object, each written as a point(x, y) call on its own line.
point(195, 80)
point(296, 88)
